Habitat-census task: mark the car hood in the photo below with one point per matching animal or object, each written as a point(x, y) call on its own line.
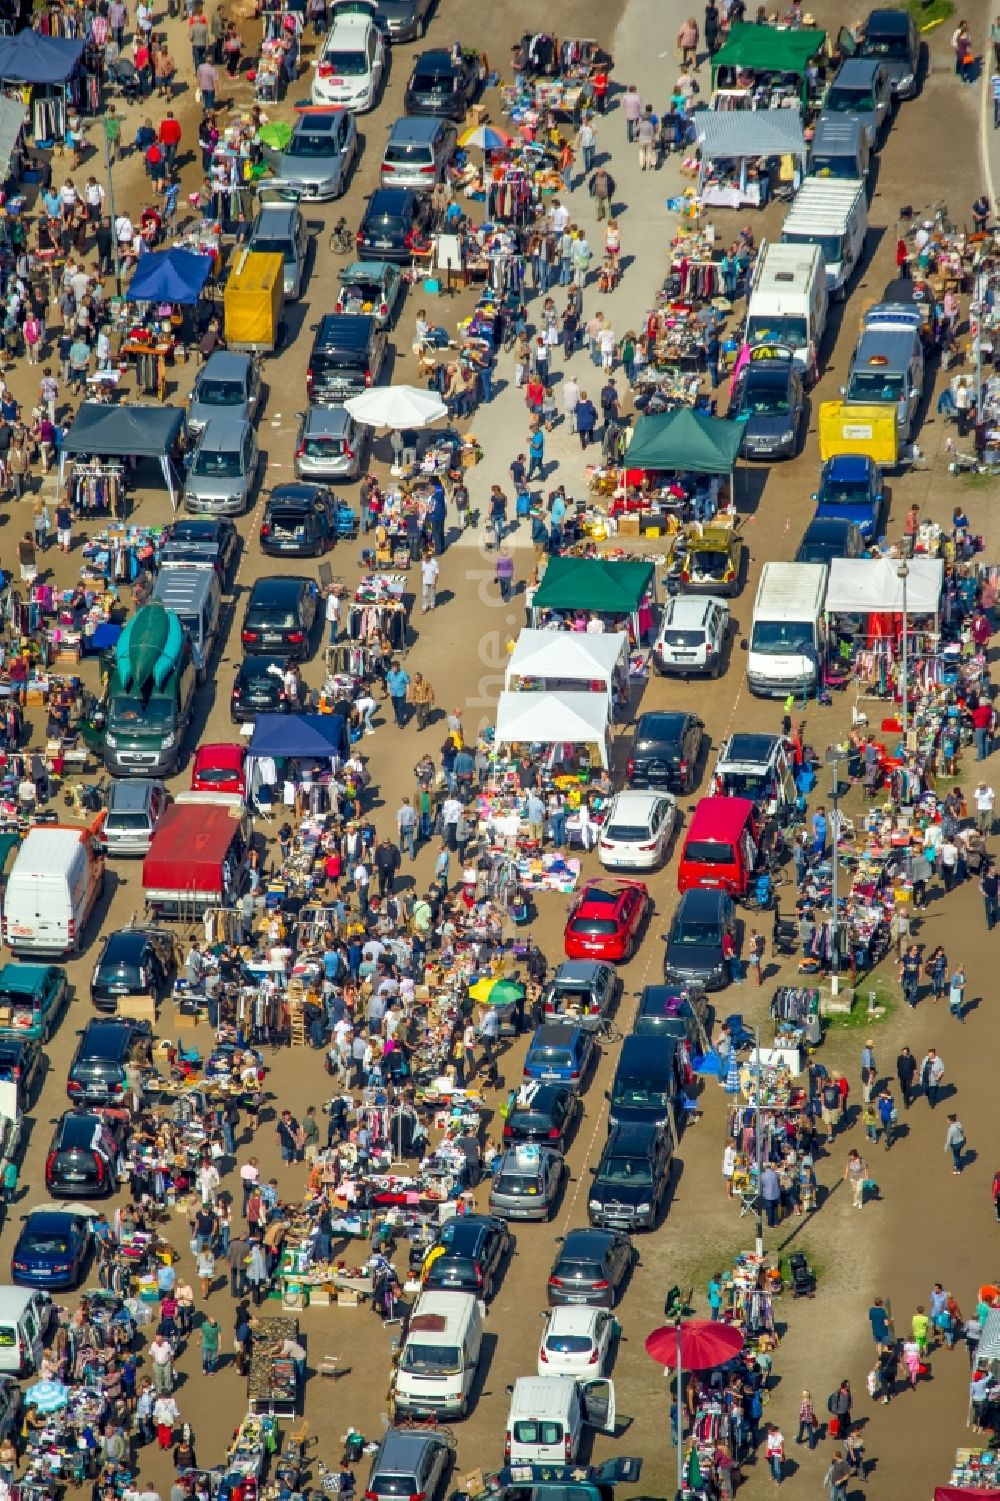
point(215, 486)
point(200, 414)
point(621, 1193)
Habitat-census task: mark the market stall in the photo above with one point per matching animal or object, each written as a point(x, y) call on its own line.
point(737, 148)
point(560, 721)
point(105, 443)
point(763, 67)
point(581, 593)
point(554, 662)
point(48, 75)
point(865, 622)
point(678, 465)
point(292, 751)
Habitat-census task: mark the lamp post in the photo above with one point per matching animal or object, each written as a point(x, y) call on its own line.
point(903, 573)
point(680, 1414)
point(833, 761)
point(758, 1200)
point(115, 250)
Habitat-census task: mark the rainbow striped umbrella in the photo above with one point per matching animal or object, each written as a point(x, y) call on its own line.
point(487, 138)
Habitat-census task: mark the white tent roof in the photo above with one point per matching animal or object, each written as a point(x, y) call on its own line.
point(867, 586)
point(567, 654)
point(989, 1340)
point(549, 718)
point(745, 132)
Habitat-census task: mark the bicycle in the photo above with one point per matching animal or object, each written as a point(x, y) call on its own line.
point(607, 1029)
point(341, 239)
point(429, 1424)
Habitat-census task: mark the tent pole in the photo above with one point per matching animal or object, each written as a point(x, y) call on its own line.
point(680, 1416)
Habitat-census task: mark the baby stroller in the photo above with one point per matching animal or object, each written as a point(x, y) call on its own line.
point(123, 80)
point(803, 1278)
point(346, 521)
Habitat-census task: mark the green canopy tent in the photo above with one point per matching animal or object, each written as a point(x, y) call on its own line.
point(596, 585)
point(765, 49)
point(686, 440)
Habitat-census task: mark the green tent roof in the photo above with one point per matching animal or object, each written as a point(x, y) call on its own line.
point(593, 584)
point(684, 440)
point(765, 49)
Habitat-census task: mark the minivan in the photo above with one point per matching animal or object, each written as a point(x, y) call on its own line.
point(440, 1356)
point(25, 1319)
point(862, 89)
point(134, 811)
point(417, 152)
point(548, 1415)
point(54, 885)
point(720, 846)
point(32, 997)
point(280, 229)
point(195, 596)
point(647, 1081)
point(97, 1072)
point(346, 359)
point(839, 149)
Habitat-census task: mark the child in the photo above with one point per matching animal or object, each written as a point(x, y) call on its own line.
point(870, 1121)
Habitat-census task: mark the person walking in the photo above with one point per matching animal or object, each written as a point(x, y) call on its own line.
point(211, 1338)
point(931, 1075)
point(909, 975)
point(887, 1113)
point(161, 1355)
point(756, 949)
point(632, 107)
point(954, 1142)
point(869, 1071)
point(906, 1073)
point(856, 1173)
point(837, 1476)
point(774, 1452)
point(937, 965)
point(985, 797)
point(770, 1192)
point(956, 992)
point(881, 1326)
point(397, 681)
point(808, 1426)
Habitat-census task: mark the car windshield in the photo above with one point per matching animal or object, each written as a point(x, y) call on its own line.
point(452, 1269)
point(322, 447)
point(776, 638)
point(121, 970)
point(131, 714)
point(312, 145)
point(627, 831)
point(874, 385)
point(683, 638)
point(45, 1243)
point(638, 1091)
point(408, 154)
point(435, 83)
point(595, 927)
point(835, 166)
point(569, 1344)
point(431, 1360)
point(393, 1485)
point(766, 398)
point(777, 329)
point(709, 852)
point(846, 493)
point(627, 1170)
point(221, 393)
point(692, 934)
point(285, 248)
point(832, 246)
point(529, 1120)
point(841, 101)
point(226, 463)
point(553, 1056)
point(217, 774)
point(886, 46)
point(538, 1431)
point(348, 64)
point(271, 616)
point(78, 1133)
point(519, 1185)
point(383, 224)
point(579, 1271)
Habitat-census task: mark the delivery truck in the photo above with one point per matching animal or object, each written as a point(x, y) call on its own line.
point(54, 886)
point(787, 635)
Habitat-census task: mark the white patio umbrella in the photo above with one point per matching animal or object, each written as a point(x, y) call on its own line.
point(397, 407)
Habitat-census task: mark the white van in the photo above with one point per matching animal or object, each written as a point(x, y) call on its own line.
point(834, 216)
point(52, 889)
point(440, 1356)
point(788, 633)
point(548, 1415)
point(25, 1317)
point(788, 302)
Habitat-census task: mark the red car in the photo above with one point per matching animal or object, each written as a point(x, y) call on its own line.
point(605, 919)
point(219, 768)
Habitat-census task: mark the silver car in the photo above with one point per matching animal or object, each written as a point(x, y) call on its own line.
point(226, 384)
point(330, 445)
point(526, 1183)
point(223, 468)
point(279, 229)
point(316, 163)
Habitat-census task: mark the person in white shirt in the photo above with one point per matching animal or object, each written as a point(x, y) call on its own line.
point(985, 798)
point(365, 706)
point(558, 217)
point(570, 397)
point(588, 833)
point(430, 570)
point(333, 614)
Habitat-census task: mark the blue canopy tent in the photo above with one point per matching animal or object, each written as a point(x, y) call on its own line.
point(292, 737)
point(169, 276)
point(47, 63)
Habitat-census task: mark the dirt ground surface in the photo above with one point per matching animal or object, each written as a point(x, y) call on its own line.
point(928, 1224)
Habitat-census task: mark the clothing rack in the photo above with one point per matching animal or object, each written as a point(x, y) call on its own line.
point(99, 487)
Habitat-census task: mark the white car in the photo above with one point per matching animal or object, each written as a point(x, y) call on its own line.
point(692, 636)
point(637, 830)
point(350, 65)
point(576, 1341)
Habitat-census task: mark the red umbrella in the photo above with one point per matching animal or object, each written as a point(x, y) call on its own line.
point(703, 1344)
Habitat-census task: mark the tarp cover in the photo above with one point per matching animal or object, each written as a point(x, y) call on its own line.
point(745, 133)
point(684, 439)
point(169, 276)
point(553, 719)
point(765, 49)
point(593, 584)
point(867, 586)
point(115, 432)
point(568, 655)
point(31, 58)
point(965, 1493)
point(283, 735)
point(188, 849)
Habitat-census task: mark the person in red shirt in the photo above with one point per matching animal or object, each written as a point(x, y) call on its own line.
point(600, 82)
point(170, 138)
point(143, 66)
point(982, 726)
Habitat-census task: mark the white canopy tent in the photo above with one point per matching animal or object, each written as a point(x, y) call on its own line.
point(872, 586)
point(554, 719)
point(557, 658)
point(741, 135)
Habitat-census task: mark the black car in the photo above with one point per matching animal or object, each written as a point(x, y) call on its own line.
point(671, 1011)
point(666, 749)
point(299, 521)
point(769, 402)
point(394, 221)
point(86, 1153)
point(591, 1268)
point(828, 537)
point(405, 20)
point(474, 1249)
point(631, 1178)
point(209, 541)
point(347, 356)
point(441, 86)
point(543, 1113)
point(23, 1063)
point(133, 962)
point(97, 1072)
point(891, 37)
point(280, 616)
point(694, 943)
point(259, 688)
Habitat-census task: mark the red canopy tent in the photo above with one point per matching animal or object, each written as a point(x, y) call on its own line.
point(962, 1493)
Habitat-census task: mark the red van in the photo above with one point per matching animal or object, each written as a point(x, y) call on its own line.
point(720, 846)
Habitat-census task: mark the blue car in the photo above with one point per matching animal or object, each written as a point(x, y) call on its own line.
point(51, 1250)
point(850, 489)
point(560, 1054)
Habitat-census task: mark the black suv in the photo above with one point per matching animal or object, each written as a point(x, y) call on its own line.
point(475, 1246)
point(299, 522)
point(97, 1072)
point(347, 357)
point(133, 962)
point(281, 613)
point(694, 953)
point(259, 688)
point(211, 541)
point(631, 1178)
point(393, 222)
point(441, 86)
point(666, 748)
point(85, 1155)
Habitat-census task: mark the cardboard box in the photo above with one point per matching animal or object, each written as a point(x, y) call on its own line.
point(628, 526)
point(138, 1008)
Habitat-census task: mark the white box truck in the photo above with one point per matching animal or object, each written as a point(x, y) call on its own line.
point(788, 302)
point(833, 216)
point(788, 632)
